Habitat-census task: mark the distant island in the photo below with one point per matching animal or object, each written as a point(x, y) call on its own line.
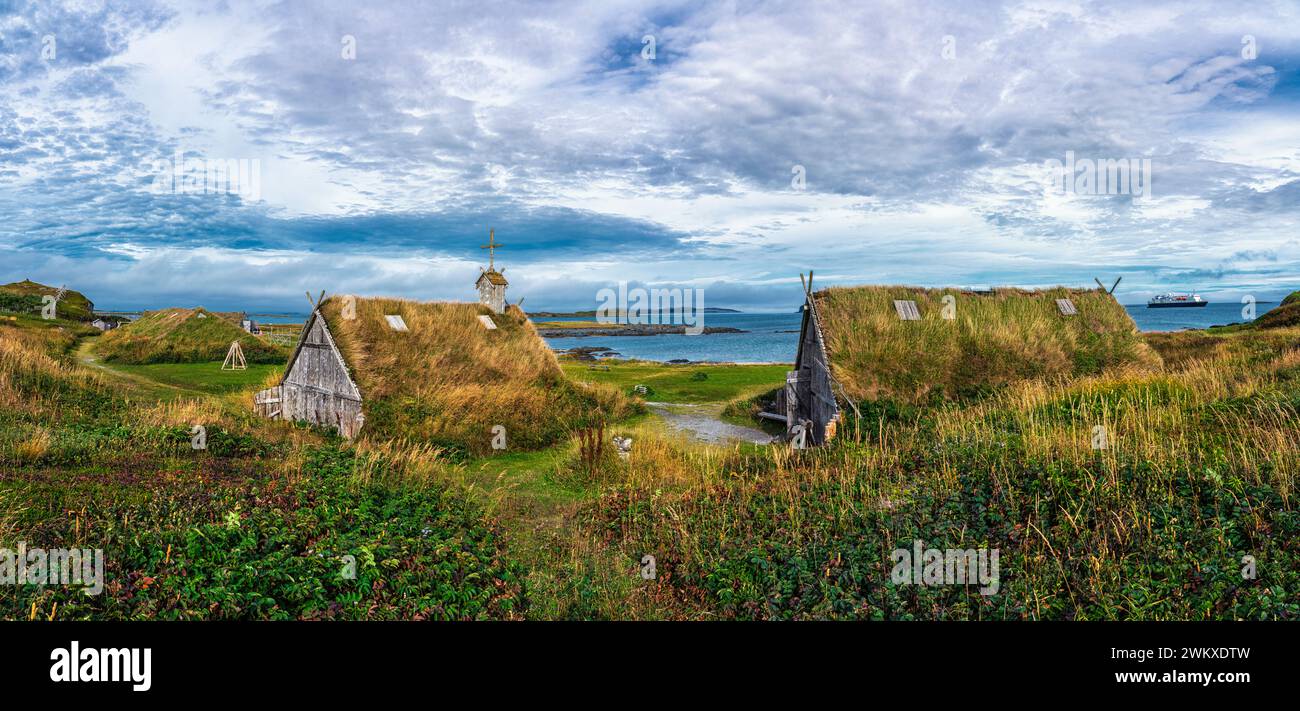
point(583, 329)
point(592, 313)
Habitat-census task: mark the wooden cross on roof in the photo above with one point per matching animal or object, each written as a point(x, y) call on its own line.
point(491, 247)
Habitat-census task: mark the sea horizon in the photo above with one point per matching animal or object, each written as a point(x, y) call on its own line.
point(772, 337)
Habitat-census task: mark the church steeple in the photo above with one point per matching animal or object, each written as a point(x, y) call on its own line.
point(491, 283)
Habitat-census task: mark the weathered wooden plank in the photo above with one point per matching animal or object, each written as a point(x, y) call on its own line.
point(327, 393)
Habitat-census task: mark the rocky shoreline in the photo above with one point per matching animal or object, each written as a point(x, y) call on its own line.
point(588, 353)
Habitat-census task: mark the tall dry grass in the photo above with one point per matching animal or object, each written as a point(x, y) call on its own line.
point(401, 462)
point(1220, 414)
point(991, 340)
point(33, 377)
point(1199, 464)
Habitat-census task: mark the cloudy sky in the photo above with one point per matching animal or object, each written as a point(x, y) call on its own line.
point(724, 146)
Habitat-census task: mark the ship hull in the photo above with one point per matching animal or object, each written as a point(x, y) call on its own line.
point(1182, 305)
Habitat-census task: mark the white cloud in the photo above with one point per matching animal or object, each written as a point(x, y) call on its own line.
point(919, 167)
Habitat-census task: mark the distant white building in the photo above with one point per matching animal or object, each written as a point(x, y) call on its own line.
point(104, 325)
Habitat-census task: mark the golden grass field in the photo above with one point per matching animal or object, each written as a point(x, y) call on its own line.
point(1197, 470)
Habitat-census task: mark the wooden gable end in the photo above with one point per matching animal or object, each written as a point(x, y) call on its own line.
point(318, 364)
point(811, 382)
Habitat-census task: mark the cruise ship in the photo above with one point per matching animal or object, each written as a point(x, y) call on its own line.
point(1172, 301)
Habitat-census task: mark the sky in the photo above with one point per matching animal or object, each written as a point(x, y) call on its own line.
point(724, 146)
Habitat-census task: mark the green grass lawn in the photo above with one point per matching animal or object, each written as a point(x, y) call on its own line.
point(204, 377)
point(681, 383)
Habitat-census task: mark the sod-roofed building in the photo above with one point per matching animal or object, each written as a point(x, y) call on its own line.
point(317, 386)
point(910, 345)
point(436, 372)
point(179, 335)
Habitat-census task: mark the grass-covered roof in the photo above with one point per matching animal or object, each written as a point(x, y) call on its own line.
point(449, 379)
point(992, 339)
point(183, 336)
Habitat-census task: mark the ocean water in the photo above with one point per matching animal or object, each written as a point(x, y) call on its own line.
point(280, 318)
point(1215, 314)
point(770, 338)
point(774, 337)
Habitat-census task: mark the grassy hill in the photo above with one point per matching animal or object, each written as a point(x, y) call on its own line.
point(992, 340)
point(183, 336)
point(25, 297)
point(259, 525)
point(450, 380)
point(1283, 315)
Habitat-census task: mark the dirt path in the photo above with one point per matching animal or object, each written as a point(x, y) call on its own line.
point(705, 422)
point(136, 383)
